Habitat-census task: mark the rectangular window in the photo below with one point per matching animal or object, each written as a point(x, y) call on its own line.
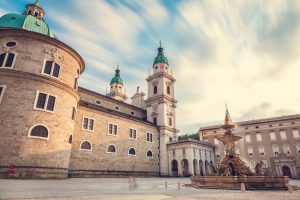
point(10, 60)
point(272, 136)
point(76, 83)
point(258, 137)
point(248, 138)
point(2, 89)
point(155, 89)
point(45, 102)
point(237, 152)
point(252, 164)
point(73, 113)
point(155, 121)
point(88, 124)
point(112, 129)
point(296, 133)
point(286, 149)
point(265, 163)
point(132, 133)
point(170, 121)
point(51, 68)
point(149, 137)
point(275, 150)
point(174, 153)
point(261, 151)
point(216, 141)
point(250, 151)
point(283, 135)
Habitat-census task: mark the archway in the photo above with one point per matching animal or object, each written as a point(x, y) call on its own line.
point(201, 168)
point(185, 167)
point(207, 168)
point(174, 168)
point(195, 165)
point(286, 171)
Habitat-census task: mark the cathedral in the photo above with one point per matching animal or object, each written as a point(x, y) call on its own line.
point(52, 128)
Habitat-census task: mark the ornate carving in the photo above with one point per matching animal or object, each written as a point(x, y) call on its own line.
point(55, 54)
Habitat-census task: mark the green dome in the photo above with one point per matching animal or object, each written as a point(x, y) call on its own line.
point(161, 59)
point(117, 78)
point(26, 22)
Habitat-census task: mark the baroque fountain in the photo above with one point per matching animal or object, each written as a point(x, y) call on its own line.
point(233, 171)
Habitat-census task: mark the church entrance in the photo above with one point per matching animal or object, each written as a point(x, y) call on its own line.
point(185, 167)
point(286, 171)
point(174, 168)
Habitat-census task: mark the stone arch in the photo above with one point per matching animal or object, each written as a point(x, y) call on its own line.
point(174, 165)
point(185, 167)
point(286, 171)
point(207, 168)
point(195, 165)
point(201, 168)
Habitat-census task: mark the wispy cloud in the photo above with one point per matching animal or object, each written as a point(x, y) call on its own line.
point(244, 52)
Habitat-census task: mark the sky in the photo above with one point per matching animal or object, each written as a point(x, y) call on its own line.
point(243, 52)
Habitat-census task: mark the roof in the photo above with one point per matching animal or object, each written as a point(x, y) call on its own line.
point(160, 58)
point(117, 78)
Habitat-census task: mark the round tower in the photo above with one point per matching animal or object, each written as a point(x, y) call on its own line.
point(117, 90)
point(38, 96)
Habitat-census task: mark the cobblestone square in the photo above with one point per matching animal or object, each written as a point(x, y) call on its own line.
point(118, 188)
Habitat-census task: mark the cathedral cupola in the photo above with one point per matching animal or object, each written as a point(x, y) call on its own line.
point(117, 89)
point(160, 62)
point(35, 10)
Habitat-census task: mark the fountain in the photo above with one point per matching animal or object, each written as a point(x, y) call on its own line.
point(233, 171)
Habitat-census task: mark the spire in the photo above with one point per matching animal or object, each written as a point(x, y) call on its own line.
point(117, 71)
point(37, 3)
point(160, 49)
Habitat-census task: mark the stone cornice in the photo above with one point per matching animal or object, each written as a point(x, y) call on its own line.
point(42, 79)
point(36, 36)
point(161, 98)
point(174, 130)
point(161, 74)
point(189, 140)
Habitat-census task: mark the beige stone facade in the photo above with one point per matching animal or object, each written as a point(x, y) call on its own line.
point(274, 141)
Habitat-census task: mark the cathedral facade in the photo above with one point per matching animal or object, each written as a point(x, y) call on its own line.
point(51, 128)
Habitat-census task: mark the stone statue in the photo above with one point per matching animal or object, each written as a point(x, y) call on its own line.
point(259, 169)
point(138, 89)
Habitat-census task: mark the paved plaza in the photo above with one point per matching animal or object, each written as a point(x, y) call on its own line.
point(118, 188)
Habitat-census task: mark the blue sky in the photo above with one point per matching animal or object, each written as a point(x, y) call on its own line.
point(243, 52)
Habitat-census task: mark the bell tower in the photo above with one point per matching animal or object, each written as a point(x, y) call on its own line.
point(35, 10)
point(161, 105)
point(117, 90)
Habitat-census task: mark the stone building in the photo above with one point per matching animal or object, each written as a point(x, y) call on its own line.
point(51, 128)
point(273, 141)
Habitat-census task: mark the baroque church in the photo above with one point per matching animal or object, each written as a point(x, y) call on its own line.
point(51, 128)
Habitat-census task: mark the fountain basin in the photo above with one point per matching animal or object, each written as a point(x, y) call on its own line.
point(234, 182)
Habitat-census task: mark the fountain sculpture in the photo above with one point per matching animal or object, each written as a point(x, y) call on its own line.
point(233, 171)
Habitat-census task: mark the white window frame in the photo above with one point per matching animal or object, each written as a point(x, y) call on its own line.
point(130, 128)
point(3, 90)
point(98, 104)
point(261, 151)
point(111, 152)
point(246, 136)
point(112, 129)
point(88, 124)
point(237, 152)
point(271, 133)
point(216, 141)
point(134, 151)
point(5, 45)
point(298, 148)
point(285, 136)
point(52, 69)
point(274, 148)
point(46, 102)
point(5, 59)
point(36, 137)
point(288, 147)
point(249, 153)
point(89, 150)
point(149, 137)
point(295, 129)
point(258, 137)
point(265, 164)
point(151, 153)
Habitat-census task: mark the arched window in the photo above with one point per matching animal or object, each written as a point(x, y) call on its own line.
point(149, 154)
point(155, 89)
point(86, 145)
point(7, 60)
point(39, 131)
point(111, 149)
point(131, 151)
point(168, 89)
